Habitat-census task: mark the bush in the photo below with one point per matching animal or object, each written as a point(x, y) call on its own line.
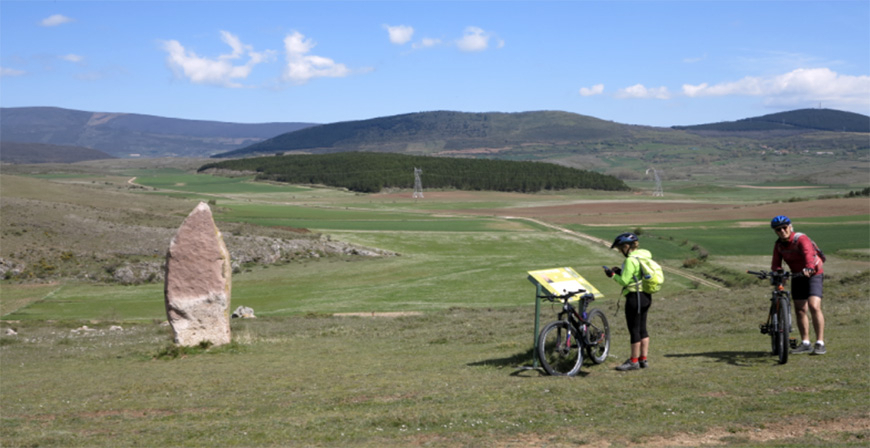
point(691, 263)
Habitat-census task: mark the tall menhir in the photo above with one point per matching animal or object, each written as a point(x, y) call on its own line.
point(198, 281)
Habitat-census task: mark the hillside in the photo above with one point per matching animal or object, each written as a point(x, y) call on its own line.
point(371, 172)
point(576, 140)
point(13, 152)
point(445, 131)
point(803, 120)
point(568, 139)
point(132, 135)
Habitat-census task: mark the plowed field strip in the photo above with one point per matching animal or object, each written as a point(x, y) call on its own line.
point(596, 240)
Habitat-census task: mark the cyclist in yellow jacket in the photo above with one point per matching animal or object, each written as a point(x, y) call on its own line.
point(637, 302)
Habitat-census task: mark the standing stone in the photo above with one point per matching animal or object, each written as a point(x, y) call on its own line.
point(198, 281)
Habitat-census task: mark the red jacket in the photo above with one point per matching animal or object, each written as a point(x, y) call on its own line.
point(799, 253)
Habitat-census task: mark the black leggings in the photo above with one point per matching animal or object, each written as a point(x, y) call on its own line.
point(636, 319)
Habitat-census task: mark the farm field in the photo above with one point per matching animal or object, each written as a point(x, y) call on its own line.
point(428, 347)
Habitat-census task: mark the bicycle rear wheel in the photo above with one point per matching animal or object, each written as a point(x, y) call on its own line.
point(559, 349)
point(783, 319)
point(597, 337)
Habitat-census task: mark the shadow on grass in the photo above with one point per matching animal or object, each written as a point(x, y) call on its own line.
point(522, 363)
point(740, 359)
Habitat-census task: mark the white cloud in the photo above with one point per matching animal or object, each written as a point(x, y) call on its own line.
point(640, 91)
point(597, 89)
point(302, 67)
point(476, 39)
point(400, 34)
point(72, 58)
point(4, 72)
point(236, 44)
point(793, 88)
point(55, 20)
point(220, 71)
point(426, 42)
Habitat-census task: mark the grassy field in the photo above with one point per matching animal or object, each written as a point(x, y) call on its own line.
point(445, 378)
point(426, 348)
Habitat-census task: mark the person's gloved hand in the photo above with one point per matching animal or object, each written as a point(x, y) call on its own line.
point(607, 271)
point(617, 270)
point(808, 272)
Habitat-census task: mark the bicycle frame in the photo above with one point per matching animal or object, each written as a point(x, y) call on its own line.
point(571, 315)
point(778, 324)
point(579, 329)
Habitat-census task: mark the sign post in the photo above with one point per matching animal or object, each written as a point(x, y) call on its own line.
point(551, 282)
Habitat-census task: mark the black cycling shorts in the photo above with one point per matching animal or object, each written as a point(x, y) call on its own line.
point(636, 309)
point(802, 287)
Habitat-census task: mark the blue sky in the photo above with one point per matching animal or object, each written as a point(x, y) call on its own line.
point(658, 63)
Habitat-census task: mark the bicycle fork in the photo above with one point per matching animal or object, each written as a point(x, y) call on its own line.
point(767, 327)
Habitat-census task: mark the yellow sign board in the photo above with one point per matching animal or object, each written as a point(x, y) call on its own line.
point(558, 281)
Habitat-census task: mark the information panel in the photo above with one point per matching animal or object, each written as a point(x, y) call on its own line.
point(557, 281)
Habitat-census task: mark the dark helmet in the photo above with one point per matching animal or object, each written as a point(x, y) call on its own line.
point(624, 238)
point(780, 220)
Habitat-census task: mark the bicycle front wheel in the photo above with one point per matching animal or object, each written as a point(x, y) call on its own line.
point(559, 349)
point(597, 337)
point(783, 319)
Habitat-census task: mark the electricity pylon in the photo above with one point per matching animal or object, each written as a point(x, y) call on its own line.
point(418, 185)
point(658, 191)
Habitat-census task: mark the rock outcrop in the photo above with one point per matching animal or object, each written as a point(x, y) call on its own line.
point(243, 312)
point(198, 281)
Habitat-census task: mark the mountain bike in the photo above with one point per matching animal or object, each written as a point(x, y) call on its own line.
point(561, 343)
point(778, 324)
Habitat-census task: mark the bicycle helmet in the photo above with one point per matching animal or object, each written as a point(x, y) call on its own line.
point(780, 220)
point(624, 238)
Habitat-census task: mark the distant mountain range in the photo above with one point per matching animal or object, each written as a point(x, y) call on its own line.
point(540, 135)
point(132, 135)
point(443, 132)
point(497, 134)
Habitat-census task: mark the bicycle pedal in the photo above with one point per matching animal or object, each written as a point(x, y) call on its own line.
point(764, 329)
point(793, 343)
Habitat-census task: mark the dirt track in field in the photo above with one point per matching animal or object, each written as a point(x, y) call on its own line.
point(605, 243)
point(632, 213)
point(637, 213)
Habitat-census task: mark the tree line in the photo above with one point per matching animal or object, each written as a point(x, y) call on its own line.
point(372, 172)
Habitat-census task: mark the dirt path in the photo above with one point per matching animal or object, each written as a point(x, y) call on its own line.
point(604, 243)
point(380, 314)
point(777, 188)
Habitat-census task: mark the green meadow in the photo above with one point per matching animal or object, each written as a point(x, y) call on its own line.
point(178, 180)
point(433, 346)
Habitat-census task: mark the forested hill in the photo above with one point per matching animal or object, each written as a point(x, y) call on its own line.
point(371, 172)
point(796, 120)
point(428, 132)
point(13, 152)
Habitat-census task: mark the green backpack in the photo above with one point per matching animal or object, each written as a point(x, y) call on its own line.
point(652, 275)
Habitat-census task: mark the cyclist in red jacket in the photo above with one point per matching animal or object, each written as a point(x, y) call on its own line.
point(800, 254)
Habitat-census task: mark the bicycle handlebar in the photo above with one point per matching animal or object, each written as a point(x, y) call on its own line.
point(771, 274)
point(567, 295)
